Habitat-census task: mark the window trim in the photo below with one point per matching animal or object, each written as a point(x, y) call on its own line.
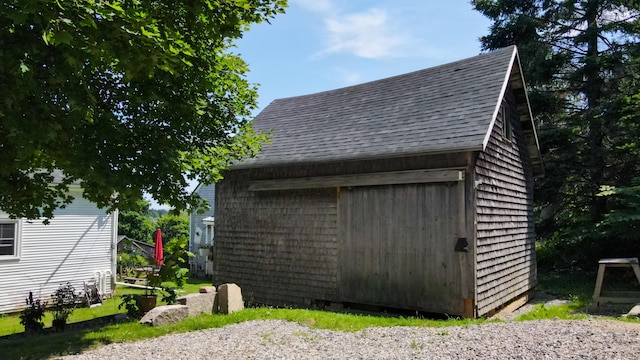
point(507, 126)
point(17, 239)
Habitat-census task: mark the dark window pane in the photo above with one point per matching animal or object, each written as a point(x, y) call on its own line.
point(7, 231)
point(7, 239)
point(6, 250)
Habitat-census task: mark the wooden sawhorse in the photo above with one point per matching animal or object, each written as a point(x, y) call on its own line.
point(617, 297)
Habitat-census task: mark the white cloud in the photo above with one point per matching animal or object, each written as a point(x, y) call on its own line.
point(368, 34)
point(371, 33)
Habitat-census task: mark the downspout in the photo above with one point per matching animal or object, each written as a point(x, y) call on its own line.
point(114, 249)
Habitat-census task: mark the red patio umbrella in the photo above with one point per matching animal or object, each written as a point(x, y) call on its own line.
point(158, 254)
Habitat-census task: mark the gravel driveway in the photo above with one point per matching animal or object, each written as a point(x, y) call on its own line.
point(275, 339)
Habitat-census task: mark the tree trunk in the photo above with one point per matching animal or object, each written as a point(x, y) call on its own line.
point(595, 120)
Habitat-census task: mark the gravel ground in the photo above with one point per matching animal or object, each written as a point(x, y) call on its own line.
point(275, 339)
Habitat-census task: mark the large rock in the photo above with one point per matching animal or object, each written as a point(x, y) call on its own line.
point(634, 312)
point(198, 303)
point(207, 289)
point(165, 314)
point(229, 299)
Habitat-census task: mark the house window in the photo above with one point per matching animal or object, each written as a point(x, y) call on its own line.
point(9, 238)
point(505, 114)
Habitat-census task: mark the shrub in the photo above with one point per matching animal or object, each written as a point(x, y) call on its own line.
point(64, 302)
point(31, 316)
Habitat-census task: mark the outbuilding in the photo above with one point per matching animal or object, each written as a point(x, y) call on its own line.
point(411, 192)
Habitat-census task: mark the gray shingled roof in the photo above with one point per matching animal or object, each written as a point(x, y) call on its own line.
point(442, 109)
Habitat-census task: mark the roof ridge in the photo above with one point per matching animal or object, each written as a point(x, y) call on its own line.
point(407, 74)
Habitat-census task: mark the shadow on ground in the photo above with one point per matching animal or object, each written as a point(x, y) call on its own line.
point(50, 343)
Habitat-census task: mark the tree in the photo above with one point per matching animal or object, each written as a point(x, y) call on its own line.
point(137, 224)
point(175, 236)
point(174, 226)
point(581, 62)
point(126, 97)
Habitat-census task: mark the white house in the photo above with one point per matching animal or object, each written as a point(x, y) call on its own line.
point(78, 246)
point(201, 232)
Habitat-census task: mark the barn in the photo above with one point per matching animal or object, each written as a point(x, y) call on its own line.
point(410, 192)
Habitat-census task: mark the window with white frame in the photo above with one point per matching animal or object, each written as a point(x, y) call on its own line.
point(9, 238)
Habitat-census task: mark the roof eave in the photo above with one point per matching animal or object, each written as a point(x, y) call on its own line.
point(527, 120)
point(267, 164)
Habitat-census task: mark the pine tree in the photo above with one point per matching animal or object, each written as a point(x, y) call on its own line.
point(580, 60)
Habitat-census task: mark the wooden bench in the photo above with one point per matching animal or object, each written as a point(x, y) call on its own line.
point(618, 297)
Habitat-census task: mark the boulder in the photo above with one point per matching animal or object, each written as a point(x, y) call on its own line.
point(634, 312)
point(165, 314)
point(207, 289)
point(198, 303)
point(229, 299)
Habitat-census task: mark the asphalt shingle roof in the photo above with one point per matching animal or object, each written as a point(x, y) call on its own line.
point(441, 109)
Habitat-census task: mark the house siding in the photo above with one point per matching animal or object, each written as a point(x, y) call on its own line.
point(197, 228)
point(397, 247)
point(79, 242)
point(505, 250)
point(280, 246)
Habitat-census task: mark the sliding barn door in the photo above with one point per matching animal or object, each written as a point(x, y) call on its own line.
point(396, 246)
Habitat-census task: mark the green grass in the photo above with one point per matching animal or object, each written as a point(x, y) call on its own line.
point(11, 324)
point(15, 345)
point(573, 287)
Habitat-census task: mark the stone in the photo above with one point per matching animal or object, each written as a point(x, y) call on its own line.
point(229, 299)
point(208, 289)
point(165, 315)
point(634, 312)
point(198, 303)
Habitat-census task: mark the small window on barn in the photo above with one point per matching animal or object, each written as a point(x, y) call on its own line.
point(9, 239)
point(505, 116)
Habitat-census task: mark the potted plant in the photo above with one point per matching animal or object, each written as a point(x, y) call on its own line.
point(148, 300)
point(204, 249)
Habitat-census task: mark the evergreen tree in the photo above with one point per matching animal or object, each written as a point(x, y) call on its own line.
point(580, 59)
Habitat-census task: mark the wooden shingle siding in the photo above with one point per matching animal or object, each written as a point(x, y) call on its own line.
point(505, 252)
point(405, 192)
point(279, 246)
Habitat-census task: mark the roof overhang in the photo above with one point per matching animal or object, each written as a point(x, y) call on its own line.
point(515, 78)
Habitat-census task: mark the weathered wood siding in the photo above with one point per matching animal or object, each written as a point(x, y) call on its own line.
point(506, 264)
point(279, 246)
point(282, 246)
point(397, 247)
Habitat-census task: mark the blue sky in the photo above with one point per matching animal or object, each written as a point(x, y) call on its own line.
point(320, 45)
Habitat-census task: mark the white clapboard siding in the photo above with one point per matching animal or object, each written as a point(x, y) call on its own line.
point(77, 246)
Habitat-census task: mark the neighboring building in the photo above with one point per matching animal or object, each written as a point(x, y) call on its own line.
point(78, 246)
point(410, 192)
point(201, 233)
point(135, 247)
